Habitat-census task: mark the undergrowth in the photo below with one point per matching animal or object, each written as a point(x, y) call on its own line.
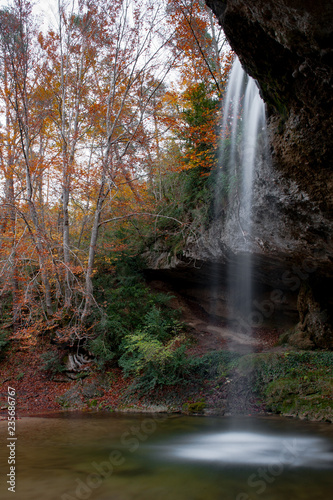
point(4, 344)
point(137, 329)
point(51, 363)
point(293, 383)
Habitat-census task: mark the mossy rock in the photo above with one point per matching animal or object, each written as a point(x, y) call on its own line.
point(92, 390)
point(197, 407)
point(71, 399)
point(92, 403)
point(308, 397)
point(297, 338)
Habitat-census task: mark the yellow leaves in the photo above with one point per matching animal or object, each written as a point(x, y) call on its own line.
point(76, 270)
point(103, 128)
point(27, 336)
point(202, 159)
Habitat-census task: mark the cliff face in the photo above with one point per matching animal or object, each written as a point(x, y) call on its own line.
point(286, 45)
point(291, 258)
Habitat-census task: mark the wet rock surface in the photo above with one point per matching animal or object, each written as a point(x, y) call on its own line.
point(287, 47)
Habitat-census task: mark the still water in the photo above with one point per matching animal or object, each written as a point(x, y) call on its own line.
point(157, 457)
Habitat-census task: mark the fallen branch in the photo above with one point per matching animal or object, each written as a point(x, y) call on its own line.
point(138, 214)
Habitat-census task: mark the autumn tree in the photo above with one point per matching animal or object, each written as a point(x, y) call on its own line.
point(22, 126)
point(127, 89)
point(104, 72)
point(204, 59)
point(68, 77)
point(204, 54)
point(89, 117)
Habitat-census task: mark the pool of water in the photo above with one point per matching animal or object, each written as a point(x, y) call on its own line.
point(157, 457)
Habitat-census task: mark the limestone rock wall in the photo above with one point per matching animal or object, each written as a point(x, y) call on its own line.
point(287, 46)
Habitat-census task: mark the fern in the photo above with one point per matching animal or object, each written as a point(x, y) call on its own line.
point(153, 362)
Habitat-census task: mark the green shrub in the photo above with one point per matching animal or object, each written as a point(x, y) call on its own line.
point(4, 343)
point(161, 325)
point(102, 350)
point(155, 353)
point(154, 363)
point(128, 306)
point(215, 364)
point(52, 363)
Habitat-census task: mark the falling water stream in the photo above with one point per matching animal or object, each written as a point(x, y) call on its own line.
point(244, 125)
point(243, 141)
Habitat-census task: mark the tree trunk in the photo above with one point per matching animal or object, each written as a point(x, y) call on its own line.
point(92, 251)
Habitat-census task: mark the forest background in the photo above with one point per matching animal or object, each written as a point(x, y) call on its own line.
point(109, 127)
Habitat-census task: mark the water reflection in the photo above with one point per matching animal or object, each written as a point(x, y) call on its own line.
point(143, 457)
point(254, 449)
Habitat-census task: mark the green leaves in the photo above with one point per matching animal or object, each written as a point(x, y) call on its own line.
point(136, 326)
point(155, 353)
point(4, 343)
point(52, 363)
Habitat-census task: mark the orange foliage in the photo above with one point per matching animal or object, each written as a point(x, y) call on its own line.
point(86, 141)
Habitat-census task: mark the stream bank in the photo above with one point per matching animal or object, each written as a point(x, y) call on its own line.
point(275, 379)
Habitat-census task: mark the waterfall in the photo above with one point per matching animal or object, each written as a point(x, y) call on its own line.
point(243, 128)
point(242, 141)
